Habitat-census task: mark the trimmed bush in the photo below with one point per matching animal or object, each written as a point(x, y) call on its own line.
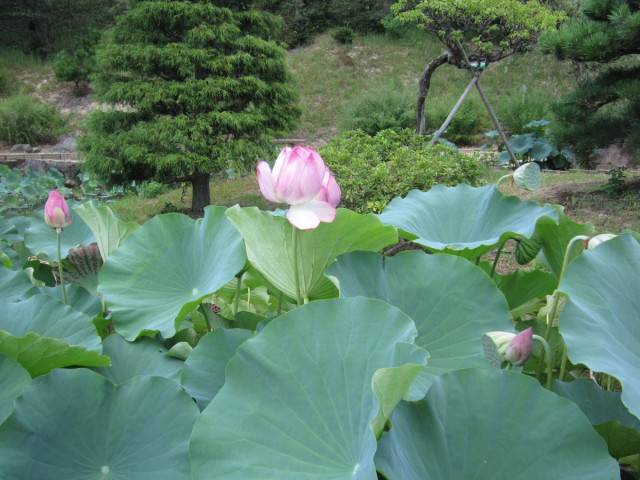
point(372, 170)
point(24, 119)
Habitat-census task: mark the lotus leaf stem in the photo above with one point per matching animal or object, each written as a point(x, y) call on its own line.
point(236, 299)
point(60, 268)
point(556, 294)
point(547, 358)
point(296, 275)
point(563, 363)
point(495, 260)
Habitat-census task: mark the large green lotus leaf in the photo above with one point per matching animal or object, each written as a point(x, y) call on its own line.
point(49, 317)
point(452, 302)
point(42, 333)
point(78, 298)
point(166, 268)
point(555, 237)
point(600, 319)
point(14, 284)
point(491, 424)
point(12, 229)
point(108, 230)
point(607, 414)
point(76, 425)
point(268, 239)
point(463, 220)
point(520, 288)
point(203, 372)
point(40, 238)
point(145, 356)
point(298, 398)
point(13, 379)
point(39, 355)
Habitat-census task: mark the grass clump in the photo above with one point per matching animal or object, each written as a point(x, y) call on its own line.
point(372, 170)
point(24, 119)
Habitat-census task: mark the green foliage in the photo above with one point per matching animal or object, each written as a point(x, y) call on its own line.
point(383, 107)
point(615, 185)
point(21, 192)
point(534, 146)
point(467, 123)
point(76, 65)
point(373, 170)
point(343, 35)
point(490, 29)
point(24, 119)
point(45, 27)
point(305, 21)
point(6, 81)
point(605, 108)
point(515, 110)
point(205, 91)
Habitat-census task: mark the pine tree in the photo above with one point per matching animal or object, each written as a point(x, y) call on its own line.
point(605, 108)
point(194, 88)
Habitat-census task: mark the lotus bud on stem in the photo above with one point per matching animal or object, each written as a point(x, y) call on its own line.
point(56, 215)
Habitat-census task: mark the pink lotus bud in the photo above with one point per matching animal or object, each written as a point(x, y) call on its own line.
point(56, 211)
point(300, 179)
point(519, 349)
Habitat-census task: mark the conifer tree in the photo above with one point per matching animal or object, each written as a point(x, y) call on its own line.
point(194, 87)
point(605, 108)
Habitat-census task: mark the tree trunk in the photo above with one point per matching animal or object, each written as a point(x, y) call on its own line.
point(425, 83)
point(201, 195)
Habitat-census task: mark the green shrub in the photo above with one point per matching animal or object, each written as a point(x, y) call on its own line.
point(343, 35)
point(371, 171)
point(23, 119)
point(385, 107)
point(466, 126)
point(516, 110)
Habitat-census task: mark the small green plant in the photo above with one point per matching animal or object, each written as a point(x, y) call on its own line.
point(372, 170)
point(152, 189)
point(23, 119)
point(343, 35)
point(615, 185)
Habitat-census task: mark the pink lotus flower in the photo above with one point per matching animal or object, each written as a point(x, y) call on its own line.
point(301, 180)
point(56, 211)
point(519, 349)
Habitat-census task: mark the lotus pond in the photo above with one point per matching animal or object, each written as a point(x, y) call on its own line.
point(236, 346)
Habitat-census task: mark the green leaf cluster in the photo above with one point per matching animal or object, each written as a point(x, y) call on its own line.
point(372, 170)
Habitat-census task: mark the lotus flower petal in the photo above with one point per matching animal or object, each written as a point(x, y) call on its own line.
point(309, 215)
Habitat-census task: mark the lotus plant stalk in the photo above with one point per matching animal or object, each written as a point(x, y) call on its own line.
point(56, 215)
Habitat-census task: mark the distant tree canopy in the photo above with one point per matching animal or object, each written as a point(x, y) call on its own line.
point(604, 109)
point(49, 26)
point(487, 30)
point(196, 88)
point(304, 19)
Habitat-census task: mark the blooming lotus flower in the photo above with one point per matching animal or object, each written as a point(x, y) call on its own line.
point(300, 179)
point(56, 211)
point(519, 349)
